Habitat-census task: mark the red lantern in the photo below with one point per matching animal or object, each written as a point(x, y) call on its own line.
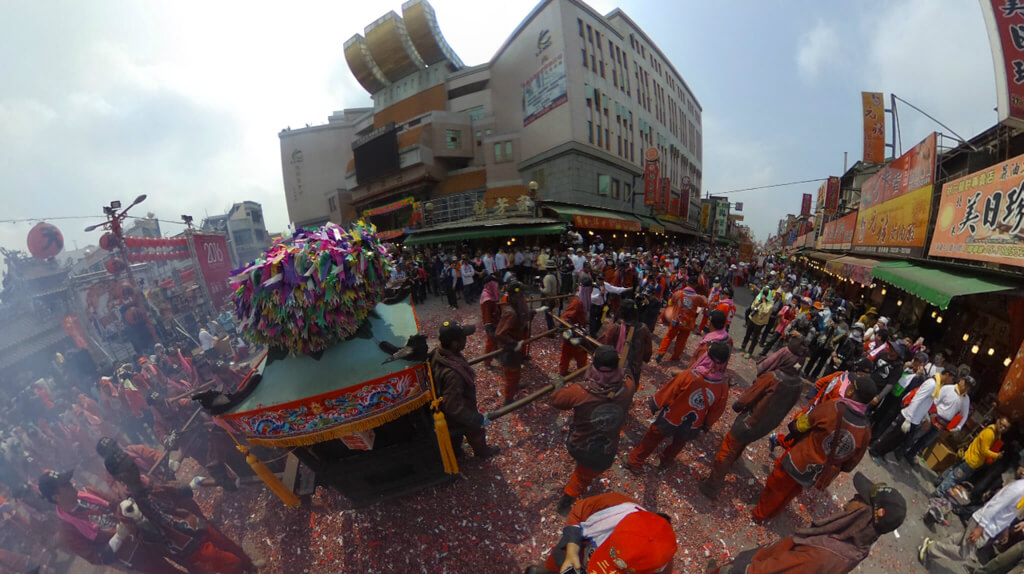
point(45, 241)
point(115, 265)
point(108, 241)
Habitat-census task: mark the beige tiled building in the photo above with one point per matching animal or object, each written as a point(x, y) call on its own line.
point(553, 129)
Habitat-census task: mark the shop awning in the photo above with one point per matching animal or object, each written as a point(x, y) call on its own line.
point(595, 218)
point(854, 268)
point(651, 224)
point(935, 286)
point(487, 228)
point(676, 228)
point(821, 256)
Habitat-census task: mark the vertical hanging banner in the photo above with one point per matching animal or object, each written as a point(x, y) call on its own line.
point(664, 195)
point(805, 207)
point(215, 265)
point(684, 202)
point(1004, 20)
point(832, 195)
point(651, 173)
point(874, 127)
point(705, 214)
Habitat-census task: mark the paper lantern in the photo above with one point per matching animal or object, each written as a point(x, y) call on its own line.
point(45, 241)
point(108, 241)
point(115, 265)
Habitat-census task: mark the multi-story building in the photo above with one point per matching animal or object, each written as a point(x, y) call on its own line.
point(148, 226)
point(553, 129)
point(314, 160)
point(246, 231)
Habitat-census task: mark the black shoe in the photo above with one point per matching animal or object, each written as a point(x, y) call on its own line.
point(488, 452)
point(535, 569)
point(564, 505)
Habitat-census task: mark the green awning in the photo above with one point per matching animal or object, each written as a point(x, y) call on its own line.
point(482, 230)
point(935, 286)
point(821, 256)
point(651, 224)
point(595, 218)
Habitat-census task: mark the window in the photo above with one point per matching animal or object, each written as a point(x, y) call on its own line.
point(615, 189)
point(597, 38)
point(508, 151)
point(332, 203)
point(599, 144)
point(497, 152)
point(580, 24)
point(602, 68)
point(584, 50)
point(607, 140)
point(453, 139)
point(620, 144)
point(593, 63)
point(475, 113)
point(590, 131)
point(590, 35)
point(627, 191)
point(604, 184)
point(615, 77)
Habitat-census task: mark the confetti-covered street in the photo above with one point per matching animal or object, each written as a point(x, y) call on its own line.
point(499, 515)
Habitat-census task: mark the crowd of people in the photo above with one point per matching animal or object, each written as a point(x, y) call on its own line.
point(90, 464)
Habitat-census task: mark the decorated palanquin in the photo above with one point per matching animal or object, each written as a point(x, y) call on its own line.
point(334, 388)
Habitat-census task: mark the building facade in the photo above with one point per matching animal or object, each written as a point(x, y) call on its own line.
point(246, 231)
point(314, 160)
point(553, 129)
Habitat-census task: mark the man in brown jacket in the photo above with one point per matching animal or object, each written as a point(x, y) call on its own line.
point(761, 408)
point(599, 406)
point(513, 328)
point(640, 346)
point(455, 381)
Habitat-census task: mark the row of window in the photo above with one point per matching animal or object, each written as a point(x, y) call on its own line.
point(610, 187)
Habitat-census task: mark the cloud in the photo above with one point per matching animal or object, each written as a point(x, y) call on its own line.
point(818, 48)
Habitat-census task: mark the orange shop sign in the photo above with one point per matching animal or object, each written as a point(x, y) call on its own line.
point(594, 222)
point(874, 127)
point(981, 216)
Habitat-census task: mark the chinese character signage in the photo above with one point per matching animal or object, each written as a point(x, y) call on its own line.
point(705, 215)
point(981, 216)
point(389, 207)
point(895, 204)
point(684, 202)
point(739, 206)
point(545, 90)
point(805, 207)
point(591, 222)
point(215, 264)
point(832, 195)
point(838, 234)
point(1004, 20)
point(664, 195)
point(651, 173)
point(874, 127)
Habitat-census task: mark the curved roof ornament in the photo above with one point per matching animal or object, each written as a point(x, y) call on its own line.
point(421, 24)
point(362, 65)
point(391, 47)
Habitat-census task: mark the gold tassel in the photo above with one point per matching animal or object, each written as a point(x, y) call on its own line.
point(270, 479)
point(444, 440)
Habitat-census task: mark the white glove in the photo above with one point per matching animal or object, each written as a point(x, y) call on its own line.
point(558, 382)
point(486, 422)
point(122, 530)
point(575, 341)
point(518, 346)
point(543, 309)
point(905, 427)
point(130, 510)
point(173, 465)
point(195, 482)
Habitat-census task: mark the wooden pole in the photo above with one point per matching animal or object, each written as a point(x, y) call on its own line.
point(164, 454)
point(566, 324)
point(493, 354)
point(198, 389)
point(516, 405)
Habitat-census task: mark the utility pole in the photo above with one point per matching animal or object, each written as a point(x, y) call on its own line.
point(113, 223)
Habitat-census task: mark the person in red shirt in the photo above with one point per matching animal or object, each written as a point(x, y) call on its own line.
point(684, 407)
point(680, 316)
point(726, 305)
point(576, 314)
point(611, 533)
point(830, 439)
point(599, 408)
point(719, 334)
point(489, 314)
point(714, 297)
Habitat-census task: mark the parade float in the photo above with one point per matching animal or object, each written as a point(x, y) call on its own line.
point(344, 386)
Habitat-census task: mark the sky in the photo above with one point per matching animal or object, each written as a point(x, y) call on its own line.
point(183, 101)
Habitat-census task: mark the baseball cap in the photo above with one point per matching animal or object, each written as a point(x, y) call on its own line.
point(51, 481)
point(642, 543)
point(451, 330)
point(882, 498)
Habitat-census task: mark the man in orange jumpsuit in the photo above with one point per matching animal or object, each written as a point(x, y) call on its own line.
point(576, 314)
point(513, 328)
point(830, 439)
point(680, 317)
point(489, 314)
point(689, 404)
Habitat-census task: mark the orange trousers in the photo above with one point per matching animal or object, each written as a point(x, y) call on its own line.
point(680, 335)
point(728, 454)
point(218, 554)
point(571, 353)
point(652, 438)
point(779, 490)
point(581, 478)
point(490, 345)
point(512, 376)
